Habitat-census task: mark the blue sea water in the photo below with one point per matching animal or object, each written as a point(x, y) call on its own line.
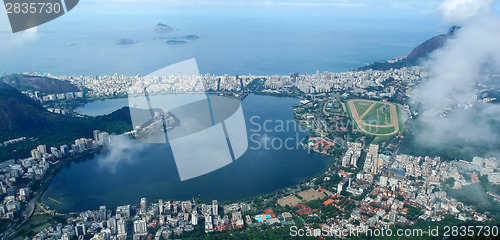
point(232, 44)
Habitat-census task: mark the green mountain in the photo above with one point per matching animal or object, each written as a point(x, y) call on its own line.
point(19, 113)
point(47, 85)
point(20, 116)
point(417, 55)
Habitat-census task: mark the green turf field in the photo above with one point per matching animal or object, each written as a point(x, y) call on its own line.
point(375, 117)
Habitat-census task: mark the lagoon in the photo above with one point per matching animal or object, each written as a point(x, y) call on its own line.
point(132, 169)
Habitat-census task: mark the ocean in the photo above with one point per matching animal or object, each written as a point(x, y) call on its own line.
point(77, 44)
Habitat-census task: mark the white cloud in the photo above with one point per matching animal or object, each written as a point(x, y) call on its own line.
point(467, 58)
point(121, 151)
point(457, 12)
point(11, 41)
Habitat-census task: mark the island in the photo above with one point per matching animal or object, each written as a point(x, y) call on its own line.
point(173, 41)
point(124, 41)
point(189, 37)
point(160, 27)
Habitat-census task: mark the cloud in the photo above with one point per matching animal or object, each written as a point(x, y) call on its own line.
point(450, 110)
point(121, 150)
point(457, 12)
point(11, 41)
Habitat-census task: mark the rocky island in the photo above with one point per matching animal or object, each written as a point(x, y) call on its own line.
point(188, 37)
point(124, 41)
point(160, 27)
point(173, 41)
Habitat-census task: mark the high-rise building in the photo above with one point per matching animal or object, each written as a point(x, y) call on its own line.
point(144, 206)
point(373, 150)
point(140, 227)
point(104, 138)
point(342, 185)
point(55, 152)
point(215, 207)
point(103, 215)
point(42, 149)
point(194, 218)
point(96, 136)
point(123, 212)
point(80, 229)
point(120, 226)
point(65, 149)
point(36, 154)
point(88, 143)
point(383, 181)
point(80, 145)
point(160, 206)
point(112, 225)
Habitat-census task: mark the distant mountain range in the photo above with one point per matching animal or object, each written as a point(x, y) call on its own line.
point(417, 55)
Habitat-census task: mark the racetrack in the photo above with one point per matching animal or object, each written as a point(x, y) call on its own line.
point(366, 127)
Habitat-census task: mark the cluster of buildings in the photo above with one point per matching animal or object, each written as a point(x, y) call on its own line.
point(41, 97)
point(119, 85)
point(402, 181)
point(12, 141)
point(321, 145)
point(374, 161)
point(352, 154)
point(12, 172)
point(161, 220)
point(401, 190)
point(390, 191)
point(360, 82)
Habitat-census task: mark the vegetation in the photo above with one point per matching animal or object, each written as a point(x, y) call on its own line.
point(65, 130)
point(37, 223)
point(371, 116)
point(245, 233)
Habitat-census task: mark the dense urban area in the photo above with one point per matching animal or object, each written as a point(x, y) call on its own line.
point(369, 187)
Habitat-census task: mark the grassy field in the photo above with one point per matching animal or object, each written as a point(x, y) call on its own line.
point(400, 119)
point(384, 116)
point(361, 107)
point(383, 130)
point(34, 225)
point(375, 118)
point(349, 113)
